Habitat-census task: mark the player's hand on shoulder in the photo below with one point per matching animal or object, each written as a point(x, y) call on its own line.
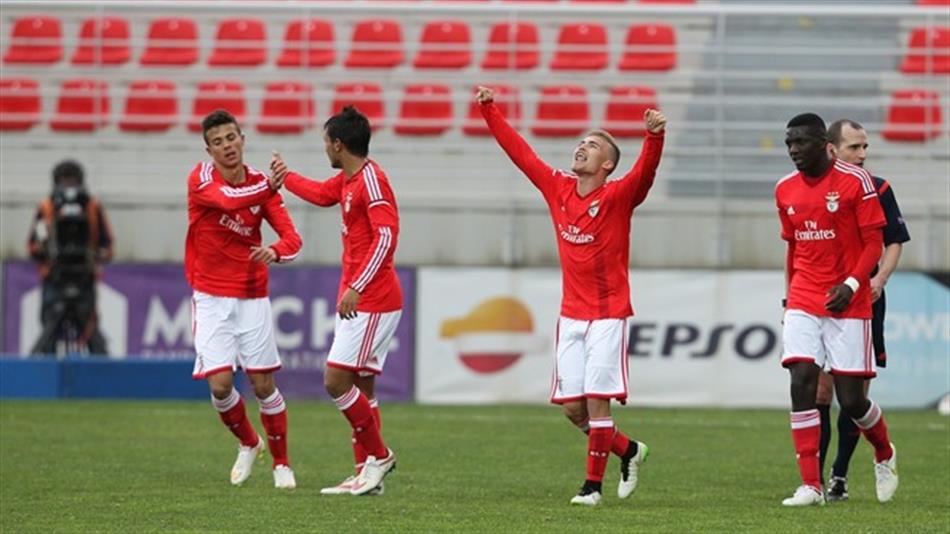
point(484, 94)
point(278, 171)
point(655, 120)
point(838, 298)
point(265, 255)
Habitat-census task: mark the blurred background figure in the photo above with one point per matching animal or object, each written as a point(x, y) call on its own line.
point(70, 239)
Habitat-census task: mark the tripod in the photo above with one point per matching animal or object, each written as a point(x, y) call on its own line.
point(69, 314)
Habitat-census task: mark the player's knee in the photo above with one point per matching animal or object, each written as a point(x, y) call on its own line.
point(336, 383)
point(220, 391)
point(575, 413)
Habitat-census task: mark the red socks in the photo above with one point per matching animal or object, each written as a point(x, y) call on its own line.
point(274, 418)
point(359, 453)
point(598, 447)
point(874, 428)
point(806, 434)
point(232, 413)
point(620, 443)
point(359, 413)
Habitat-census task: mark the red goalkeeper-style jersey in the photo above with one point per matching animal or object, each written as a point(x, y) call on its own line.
point(592, 232)
point(370, 231)
point(823, 218)
point(224, 222)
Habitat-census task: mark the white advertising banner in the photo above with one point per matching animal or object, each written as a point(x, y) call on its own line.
point(699, 338)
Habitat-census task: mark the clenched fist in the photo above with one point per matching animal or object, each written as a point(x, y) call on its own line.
point(656, 121)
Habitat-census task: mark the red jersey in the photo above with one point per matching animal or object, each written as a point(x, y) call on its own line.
point(370, 230)
point(224, 222)
point(823, 218)
point(593, 231)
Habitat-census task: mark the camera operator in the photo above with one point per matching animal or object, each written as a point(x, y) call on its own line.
point(70, 239)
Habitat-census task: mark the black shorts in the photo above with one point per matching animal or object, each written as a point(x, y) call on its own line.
point(877, 331)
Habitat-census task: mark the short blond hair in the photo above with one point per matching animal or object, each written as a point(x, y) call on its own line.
point(605, 135)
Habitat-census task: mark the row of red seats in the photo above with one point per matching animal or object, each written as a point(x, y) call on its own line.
point(288, 107)
point(425, 109)
point(376, 43)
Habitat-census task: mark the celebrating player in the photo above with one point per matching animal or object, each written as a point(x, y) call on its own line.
point(592, 225)
point(849, 143)
point(832, 221)
point(226, 267)
point(369, 302)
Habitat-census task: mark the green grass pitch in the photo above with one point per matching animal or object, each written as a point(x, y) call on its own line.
point(94, 466)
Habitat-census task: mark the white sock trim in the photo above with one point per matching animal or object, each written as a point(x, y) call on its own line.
point(373, 403)
point(274, 404)
point(225, 404)
point(871, 418)
point(805, 419)
point(603, 422)
point(347, 399)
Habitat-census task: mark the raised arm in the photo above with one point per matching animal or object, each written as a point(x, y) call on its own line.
point(639, 179)
point(523, 156)
point(326, 193)
point(205, 191)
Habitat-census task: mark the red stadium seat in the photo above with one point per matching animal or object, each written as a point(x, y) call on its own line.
point(625, 107)
point(224, 95)
point(83, 106)
point(667, 1)
point(562, 112)
point(929, 51)
point(600, 1)
point(171, 41)
point(287, 108)
point(239, 43)
point(913, 115)
point(507, 101)
point(581, 46)
point(445, 44)
point(103, 41)
point(512, 46)
point(36, 40)
point(426, 109)
point(933, 2)
point(376, 43)
point(366, 97)
point(151, 106)
point(649, 47)
point(19, 104)
point(308, 43)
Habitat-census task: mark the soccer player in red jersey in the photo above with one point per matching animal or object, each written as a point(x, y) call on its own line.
point(831, 220)
point(848, 142)
point(226, 267)
point(591, 218)
point(369, 302)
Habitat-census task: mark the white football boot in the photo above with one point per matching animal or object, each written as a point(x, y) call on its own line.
point(345, 487)
point(373, 473)
point(592, 498)
point(885, 475)
point(241, 470)
point(805, 495)
point(284, 477)
point(630, 470)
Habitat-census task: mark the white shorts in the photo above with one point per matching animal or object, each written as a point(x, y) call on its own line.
point(840, 346)
point(230, 333)
point(361, 344)
point(590, 360)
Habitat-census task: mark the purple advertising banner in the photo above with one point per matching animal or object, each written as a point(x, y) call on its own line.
point(145, 313)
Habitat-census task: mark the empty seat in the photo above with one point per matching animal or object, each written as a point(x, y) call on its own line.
point(625, 107)
point(512, 46)
point(933, 2)
point(508, 103)
point(929, 51)
point(581, 46)
point(649, 47)
point(366, 97)
point(19, 104)
point(562, 112)
point(426, 109)
point(210, 96)
point(83, 106)
point(445, 44)
point(35, 40)
point(287, 108)
point(171, 41)
point(308, 43)
point(239, 43)
point(376, 43)
point(151, 106)
point(103, 41)
point(913, 115)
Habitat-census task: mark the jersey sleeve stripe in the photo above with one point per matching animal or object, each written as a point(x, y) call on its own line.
point(378, 203)
point(866, 182)
point(385, 242)
point(372, 184)
point(288, 258)
point(869, 195)
point(236, 192)
point(204, 175)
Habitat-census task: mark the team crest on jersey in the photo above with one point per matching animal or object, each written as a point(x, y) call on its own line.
point(346, 205)
point(594, 208)
point(831, 201)
point(255, 209)
point(790, 211)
